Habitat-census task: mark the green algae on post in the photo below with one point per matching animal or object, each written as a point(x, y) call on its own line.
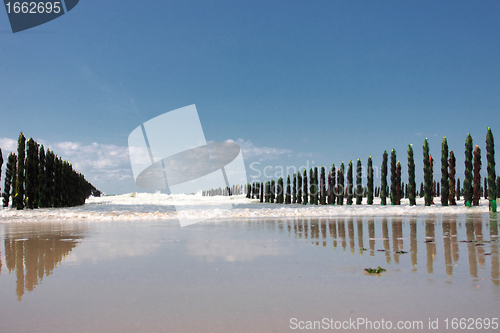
point(377, 270)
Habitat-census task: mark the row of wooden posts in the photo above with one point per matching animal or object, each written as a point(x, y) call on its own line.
point(35, 178)
point(335, 187)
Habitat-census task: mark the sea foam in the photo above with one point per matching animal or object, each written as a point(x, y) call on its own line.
point(158, 206)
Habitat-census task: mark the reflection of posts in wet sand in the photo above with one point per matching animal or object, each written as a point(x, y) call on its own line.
point(493, 229)
point(478, 229)
point(447, 248)
point(399, 228)
point(471, 246)
point(315, 225)
point(371, 235)
point(342, 233)
point(295, 223)
point(9, 256)
point(323, 226)
point(454, 240)
point(413, 244)
point(385, 235)
point(397, 241)
point(31, 260)
point(281, 225)
point(33, 257)
point(360, 236)
point(333, 233)
point(350, 228)
point(495, 274)
point(265, 224)
point(306, 229)
point(300, 227)
point(18, 259)
point(318, 230)
point(289, 226)
point(430, 245)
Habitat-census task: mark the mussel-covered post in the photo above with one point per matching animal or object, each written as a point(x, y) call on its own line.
point(294, 191)
point(305, 195)
point(332, 185)
point(445, 181)
point(299, 187)
point(468, 172)
point(383, 180)
point(477, 176)
point(490, 157)
point(349, 183)
point(323, 186)
point(288, 199)
point(369, 182)
point(359, 184)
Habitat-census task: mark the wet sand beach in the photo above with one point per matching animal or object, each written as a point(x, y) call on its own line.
point(248, 275)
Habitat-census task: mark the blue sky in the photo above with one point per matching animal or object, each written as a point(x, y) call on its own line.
point(291, 81)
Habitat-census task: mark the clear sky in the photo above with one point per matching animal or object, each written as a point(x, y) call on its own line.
point(291, 81)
